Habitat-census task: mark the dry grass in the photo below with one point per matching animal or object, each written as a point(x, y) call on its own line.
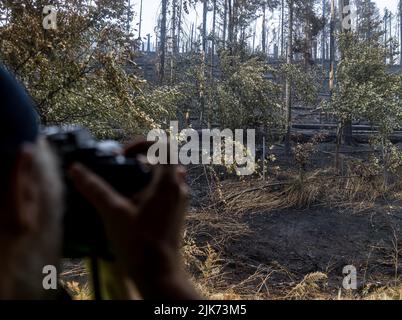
point(210, 230)
point(79, 292)
point(205, 239)
point(206, 262)
point(220, 224)
point(355, 192)
point(386, 293)
point(309, 288)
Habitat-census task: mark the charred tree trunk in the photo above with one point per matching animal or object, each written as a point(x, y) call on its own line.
point(174, 24)
point(288, 91)
point(400, 31)
point(179, 28)
point(324, 34)
point(391, 49)
point(174, 42)
point(162, 48)
point(204, 27)
point(128, 27)
point(309, 43)
point(140, 24)
point(332, 48)
point(213, 41)
point(192, 37)
point(231, 22)
point(225, 22)
point(264, 30)
point(283, 29)
point(230, 26)
point(347, 127)
point(204, 63)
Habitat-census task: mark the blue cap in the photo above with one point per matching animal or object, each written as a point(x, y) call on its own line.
point(19, 121)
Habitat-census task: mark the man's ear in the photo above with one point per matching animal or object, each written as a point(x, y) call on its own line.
point(25, 190)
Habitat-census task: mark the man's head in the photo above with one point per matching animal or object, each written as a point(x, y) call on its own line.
point(30, 196)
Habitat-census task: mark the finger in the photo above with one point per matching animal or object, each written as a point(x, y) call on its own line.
point(98, 192)
point(171, 180)
point(181, 175)
point(166, 203)
point(143, 196)
point(140, 147)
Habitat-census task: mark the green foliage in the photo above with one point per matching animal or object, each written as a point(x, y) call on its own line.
point(306, 83)
point(243, 93)
point(161, 103)
point(245, 96)
point(83, 72)
point(366, 90)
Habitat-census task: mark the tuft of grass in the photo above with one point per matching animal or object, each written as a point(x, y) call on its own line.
point(386, 293)
point(79, 292)
point(355, 191)
point(310, 287)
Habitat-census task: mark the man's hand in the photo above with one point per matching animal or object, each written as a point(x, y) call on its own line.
point(145, 232)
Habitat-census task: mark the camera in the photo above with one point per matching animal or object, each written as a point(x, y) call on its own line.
point(84, 232)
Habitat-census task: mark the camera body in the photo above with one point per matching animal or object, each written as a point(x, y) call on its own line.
point(84, 232)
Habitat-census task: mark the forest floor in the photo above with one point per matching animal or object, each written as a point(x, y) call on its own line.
point(246, 241)
point(288, 245)
point(294, 242)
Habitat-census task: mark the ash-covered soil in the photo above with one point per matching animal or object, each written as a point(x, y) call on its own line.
point(289, 244)
point(298, 242)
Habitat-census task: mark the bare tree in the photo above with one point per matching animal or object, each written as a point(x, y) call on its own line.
point(332, 48)
point(264, 28)
point(324, 34)
point(283, 28)
point(162, 48)
point(400, 30)
point(225, 22)
point(204, 27)
point(288, 86)
point(231, 24)
point(213, 41)
point(140, 23)
point(174, 42)
point(347, 126)
point(179, 28)
point(174, 25)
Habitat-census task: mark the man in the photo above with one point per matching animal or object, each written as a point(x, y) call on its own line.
point(144, 233)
